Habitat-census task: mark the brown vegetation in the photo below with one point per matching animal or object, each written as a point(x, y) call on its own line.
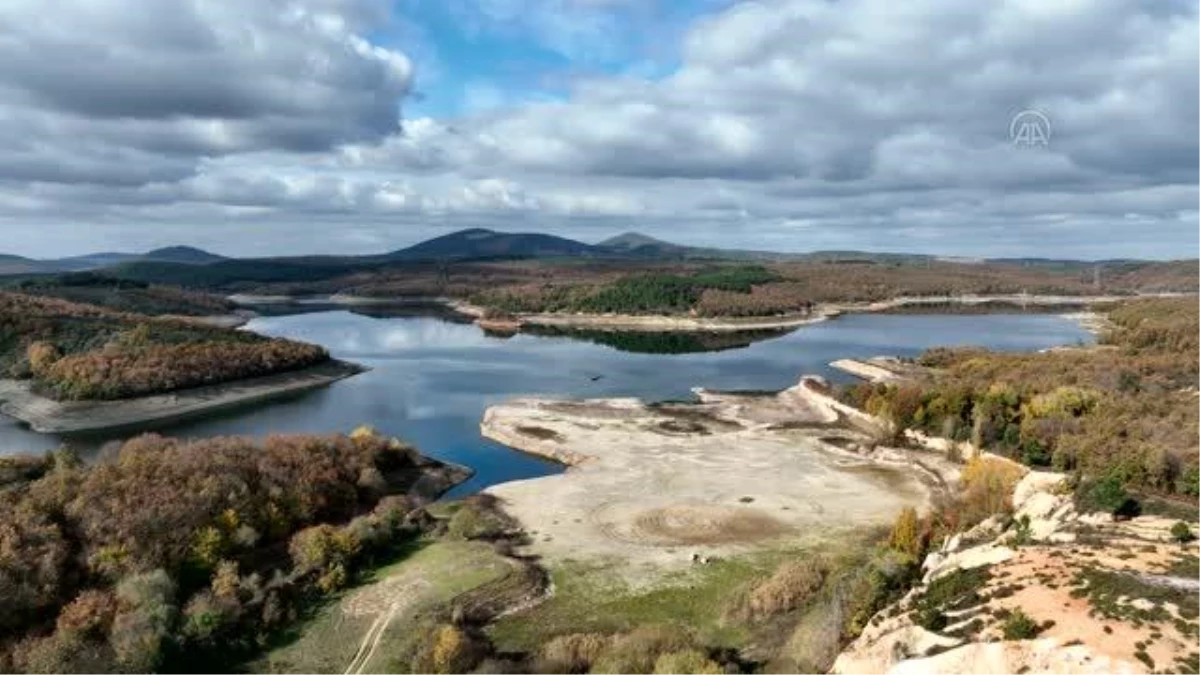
point(78, 351)
point(175, 549)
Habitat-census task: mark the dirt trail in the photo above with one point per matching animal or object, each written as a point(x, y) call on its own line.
point(398, 597)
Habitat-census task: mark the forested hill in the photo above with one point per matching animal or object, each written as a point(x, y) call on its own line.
point(83, 352)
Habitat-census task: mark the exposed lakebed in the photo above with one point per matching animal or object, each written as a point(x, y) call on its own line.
point(431, 379)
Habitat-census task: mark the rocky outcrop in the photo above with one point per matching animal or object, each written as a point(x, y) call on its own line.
point(1094, 589)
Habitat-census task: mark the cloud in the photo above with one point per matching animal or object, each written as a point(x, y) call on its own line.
point(113, 82)
point(787, 123)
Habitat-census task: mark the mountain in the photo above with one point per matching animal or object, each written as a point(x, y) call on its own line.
point(91, 261)
point(639, 245)
point(182, 254)
point(15, 264)
point(481, 243)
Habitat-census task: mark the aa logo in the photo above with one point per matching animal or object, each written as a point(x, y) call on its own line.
point(1029, 129)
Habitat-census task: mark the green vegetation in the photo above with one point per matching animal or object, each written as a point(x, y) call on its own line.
point(424, 577)
point(660, 342)
point(1121, 415)
point(124, 295)
point(1182, 532)
point(1018, 626)
point(172, 552)
point(651, 293)
point(78, 351)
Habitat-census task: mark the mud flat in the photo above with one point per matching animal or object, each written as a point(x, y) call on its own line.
point(47, 415)
point(652, 484)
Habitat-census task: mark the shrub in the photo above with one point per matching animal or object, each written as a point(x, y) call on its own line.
point(572, 653)
point(1018, 626)
point(1109, 495)
point(1189, 482)
point(477, 518)
point(1182, 532)
point(638, 650)
point(686, 661)
point(327, 551)
point(789, 588)
point(64, 653)
point(987, 484)
point(143, 620)
point(906, 536)
point(90, 613)
point(447, 649)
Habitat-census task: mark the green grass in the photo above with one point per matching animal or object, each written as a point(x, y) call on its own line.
point(327, 641)
point(592, 598)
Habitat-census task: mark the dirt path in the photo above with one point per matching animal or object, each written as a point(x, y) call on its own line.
point(398, 599)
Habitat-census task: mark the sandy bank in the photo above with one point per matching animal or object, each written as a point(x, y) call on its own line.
point(668, 324)
point(66, 417)
point(650, 484)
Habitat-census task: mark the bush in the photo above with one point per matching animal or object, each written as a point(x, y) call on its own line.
point(788, 589)
point(1182, 532)
point(143, 620)
point(1189, 482)
point(638, 650)
point(1108, 495)
point(987, 484)
point(447, 649)
point(326, 551)
point(477, 518)
point(906, 535)
point(90, 614)
point(1018, 626)
point(572, 653)
point(686, 661)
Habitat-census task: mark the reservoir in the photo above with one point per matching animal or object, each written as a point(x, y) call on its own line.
point(431, 379)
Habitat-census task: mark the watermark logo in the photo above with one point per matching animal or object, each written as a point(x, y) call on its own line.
point(1029, 129)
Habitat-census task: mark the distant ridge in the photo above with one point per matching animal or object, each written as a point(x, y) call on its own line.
point(181, 254)
point(483, 243)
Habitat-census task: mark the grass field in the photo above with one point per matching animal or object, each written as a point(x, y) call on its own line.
point(383, 610)
point(591, 598)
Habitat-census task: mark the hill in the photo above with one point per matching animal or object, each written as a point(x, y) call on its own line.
point(182, 254)
point(481, 243)
point(15, 264)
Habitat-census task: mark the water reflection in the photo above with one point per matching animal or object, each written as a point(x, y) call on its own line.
point(430, 379)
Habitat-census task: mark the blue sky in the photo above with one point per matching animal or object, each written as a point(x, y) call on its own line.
point(474, 57)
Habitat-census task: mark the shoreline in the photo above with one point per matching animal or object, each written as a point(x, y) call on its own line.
point(48, 416)
point(665, 323)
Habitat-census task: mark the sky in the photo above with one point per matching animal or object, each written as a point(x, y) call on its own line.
point(1064, 128)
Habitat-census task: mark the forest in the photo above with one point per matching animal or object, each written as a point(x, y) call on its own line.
point(733, 289)
point(123, 295)
point(78, 351)
point(169, 553)
point(1122, 414)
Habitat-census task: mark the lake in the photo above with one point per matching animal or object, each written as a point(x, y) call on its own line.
point(431, 379)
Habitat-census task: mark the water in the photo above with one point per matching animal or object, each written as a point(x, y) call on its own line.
point(430, 380)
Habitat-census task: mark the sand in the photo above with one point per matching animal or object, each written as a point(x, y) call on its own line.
point(651, 485)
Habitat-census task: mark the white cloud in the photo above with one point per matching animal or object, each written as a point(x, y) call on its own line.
point(866, 122)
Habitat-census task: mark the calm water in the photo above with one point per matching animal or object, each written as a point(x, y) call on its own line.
point(431, 379)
